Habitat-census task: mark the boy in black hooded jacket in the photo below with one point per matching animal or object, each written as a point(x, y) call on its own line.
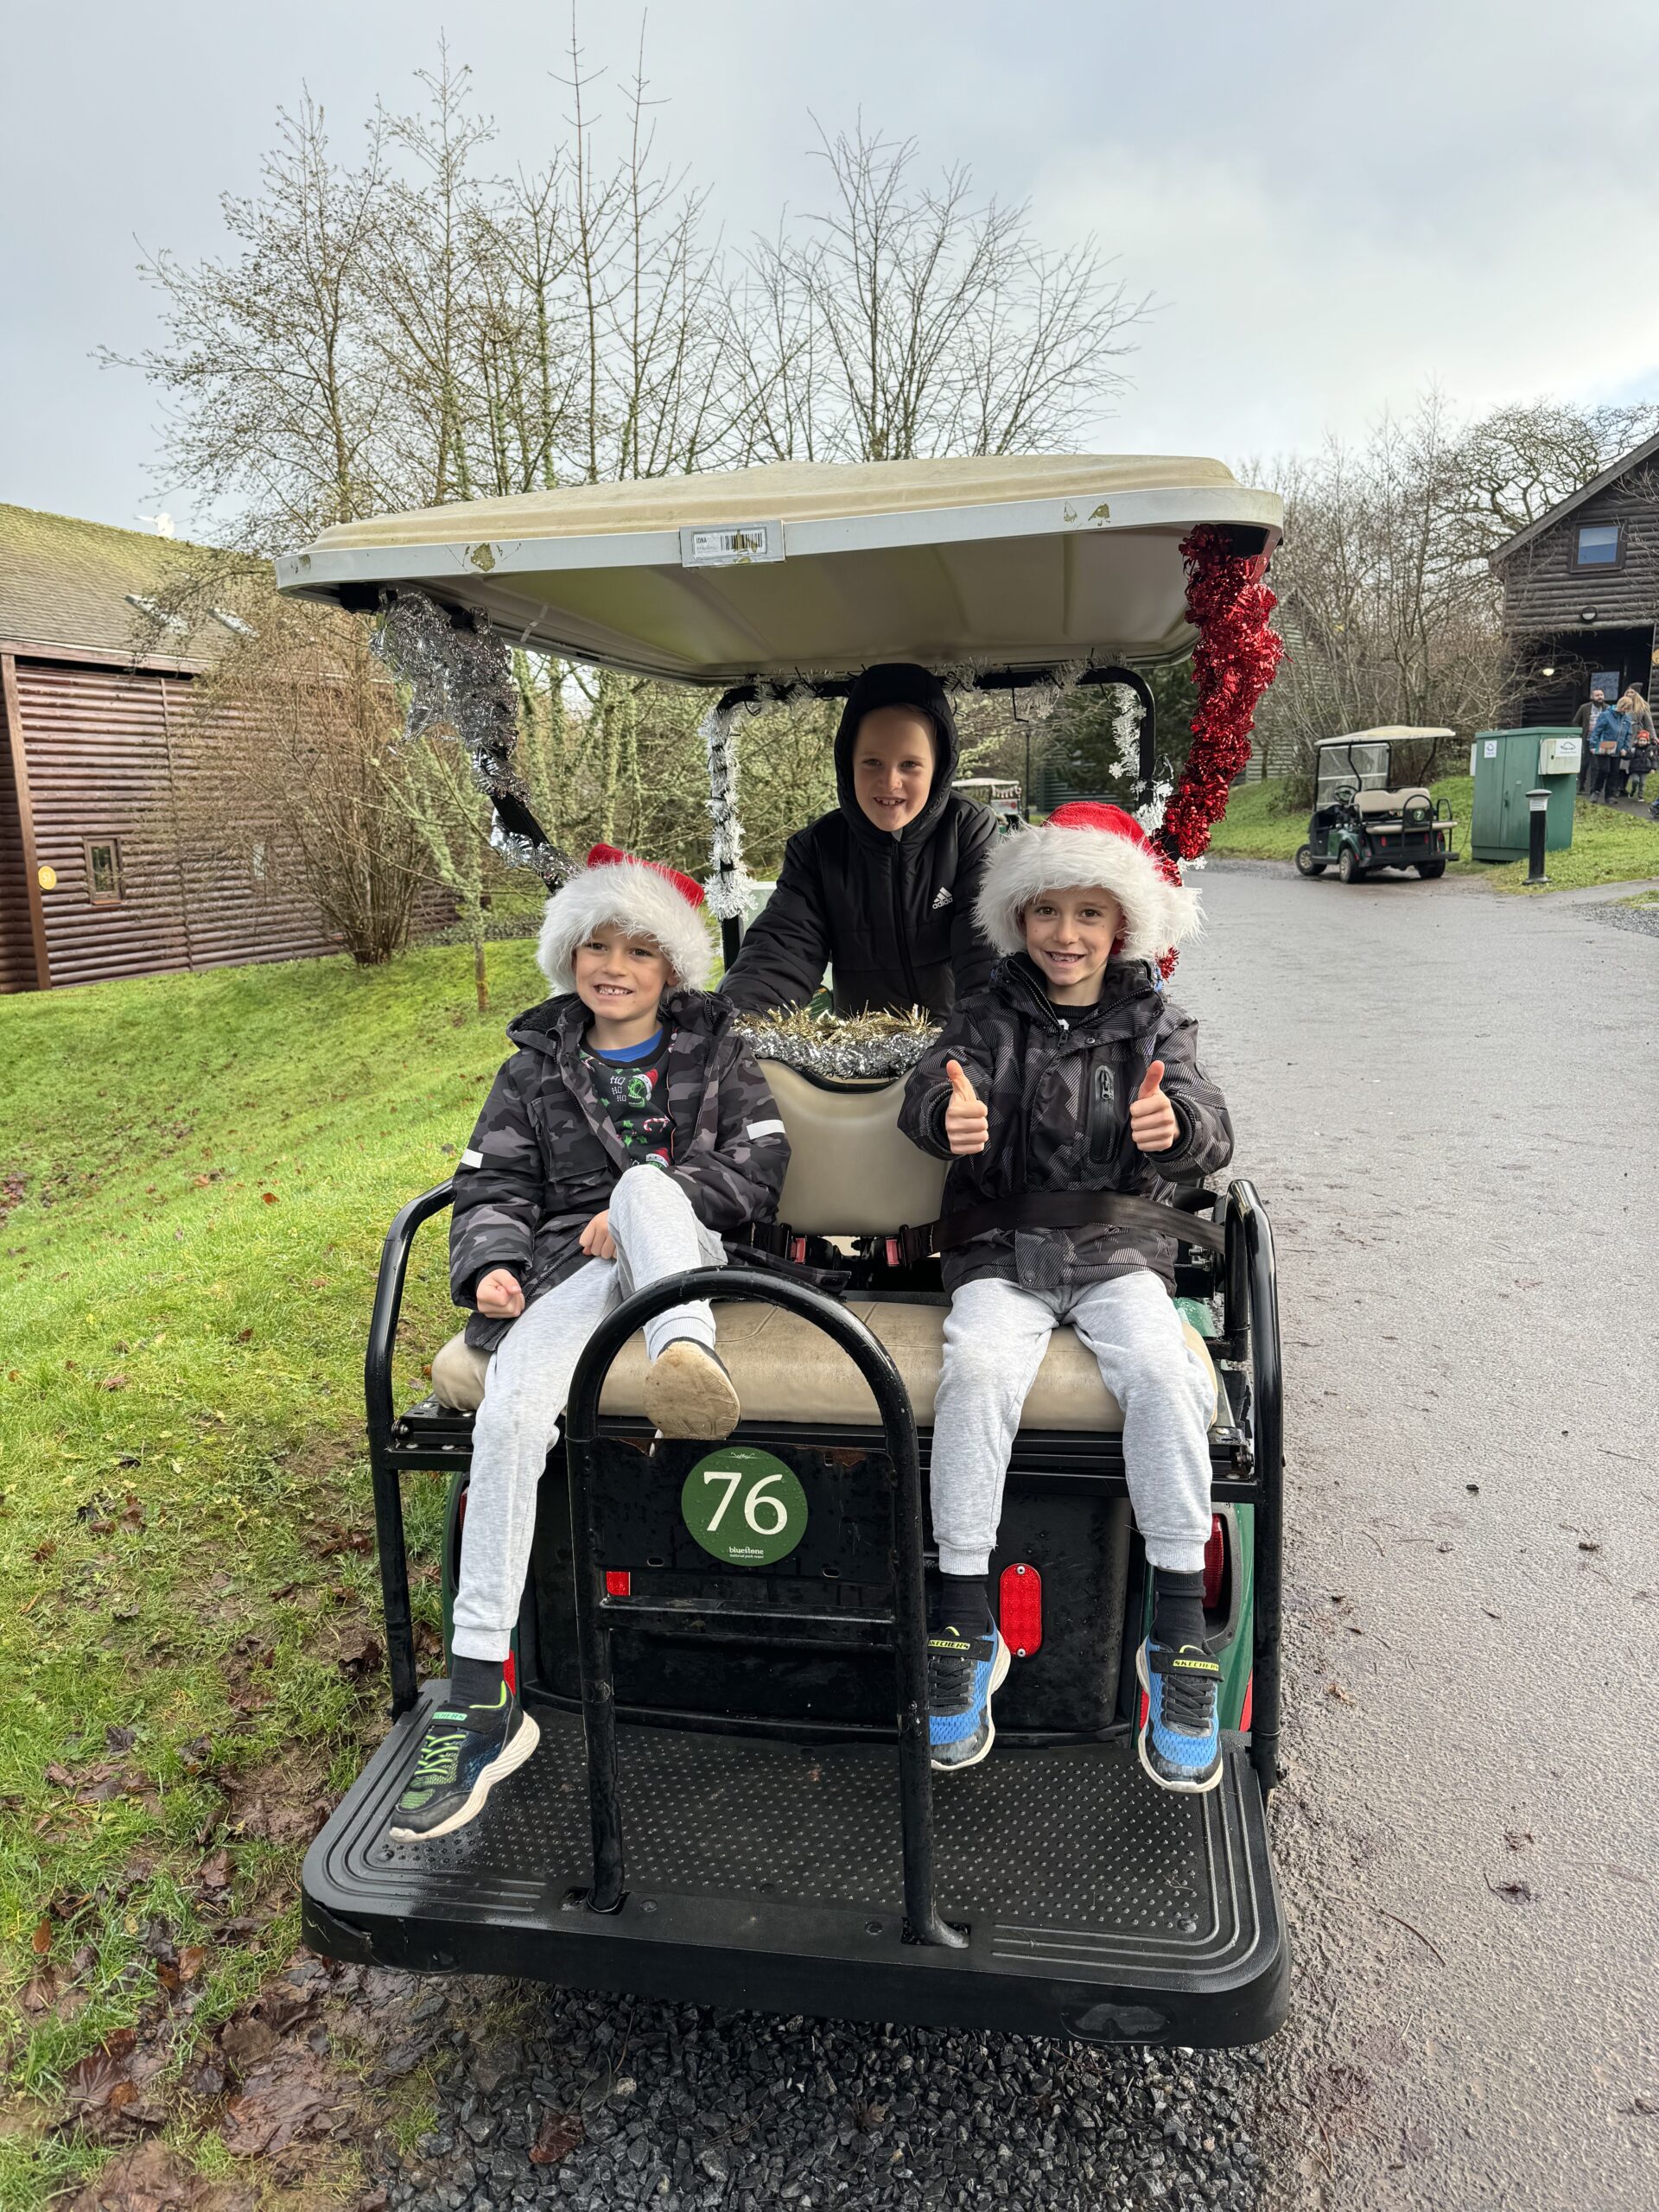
point(883, 888)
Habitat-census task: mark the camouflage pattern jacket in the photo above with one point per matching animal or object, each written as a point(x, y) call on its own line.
point(1058, 1083)
point(545, 1155)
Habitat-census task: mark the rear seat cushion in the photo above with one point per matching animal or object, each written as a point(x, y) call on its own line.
point(786, 1369)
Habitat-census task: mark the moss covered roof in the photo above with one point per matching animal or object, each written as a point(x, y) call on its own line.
point(66, 582)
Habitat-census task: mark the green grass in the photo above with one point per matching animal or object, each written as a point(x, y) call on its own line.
point(203, 1168)
point(1608, 846)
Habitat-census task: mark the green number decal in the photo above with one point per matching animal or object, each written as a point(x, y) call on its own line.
point(744, 1507)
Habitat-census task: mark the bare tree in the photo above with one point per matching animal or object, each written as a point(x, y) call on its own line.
point(292, 742)
point(1389, 613)
point(1508, 468)
point(907, 319)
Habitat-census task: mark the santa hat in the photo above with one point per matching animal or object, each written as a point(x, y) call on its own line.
point(1080, 843)
point(616, 891)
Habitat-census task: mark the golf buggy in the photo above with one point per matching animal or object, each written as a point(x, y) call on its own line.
point(1362, 821)
point(1002, 796)
point(731, 1801)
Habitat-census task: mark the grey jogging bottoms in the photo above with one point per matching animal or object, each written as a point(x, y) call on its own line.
point(657, 1234)
point(995, 1336)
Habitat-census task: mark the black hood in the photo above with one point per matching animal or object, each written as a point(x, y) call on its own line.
point(560, 1023)
point(898, 684)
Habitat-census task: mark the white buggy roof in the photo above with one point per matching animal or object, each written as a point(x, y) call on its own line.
point(1386, 732)
point(808, 569)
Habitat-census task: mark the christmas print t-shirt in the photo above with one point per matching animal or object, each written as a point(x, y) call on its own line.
point(629, 1082)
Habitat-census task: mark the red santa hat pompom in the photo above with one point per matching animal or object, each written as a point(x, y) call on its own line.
point(1085, 842)
point(617, 891)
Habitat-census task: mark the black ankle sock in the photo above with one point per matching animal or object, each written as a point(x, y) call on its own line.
point(1178, 1608)
point(965, 1601)
point(476, 1681)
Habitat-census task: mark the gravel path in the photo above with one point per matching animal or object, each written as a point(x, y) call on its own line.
point(595, 2102)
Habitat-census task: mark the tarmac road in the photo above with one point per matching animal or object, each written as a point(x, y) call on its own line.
point(1449, 1099)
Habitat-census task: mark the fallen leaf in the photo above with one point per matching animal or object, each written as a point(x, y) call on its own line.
point(1336, 1690)
point(246, 2043)
point(41, 1994)
point(113, 1382)
point(270, 1196)
point(1517, 1839)
point(214, 1872)
point(44, 1551)
point(1517, 1892)
point(559, 2134)
point(41, 1943)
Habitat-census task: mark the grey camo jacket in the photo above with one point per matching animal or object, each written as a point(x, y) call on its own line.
point(545, 1155)
point(1058, 1084)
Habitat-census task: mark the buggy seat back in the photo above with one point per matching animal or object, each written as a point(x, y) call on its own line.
point(851, 1172)
point(1370, 803)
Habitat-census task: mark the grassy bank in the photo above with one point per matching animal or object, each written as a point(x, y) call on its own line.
point(1608, 847)
point(195, 1175)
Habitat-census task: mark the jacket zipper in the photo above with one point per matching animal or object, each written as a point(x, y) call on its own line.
point(1103, 1116)
point(900, 937)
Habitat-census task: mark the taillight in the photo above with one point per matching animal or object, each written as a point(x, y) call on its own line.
point(1215, 1563)
point(618, 1582)
point(1020, 1610)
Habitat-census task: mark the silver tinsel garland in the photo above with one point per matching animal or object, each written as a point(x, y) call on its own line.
point(730, 886)
point(866, 1047)
point(460, 688)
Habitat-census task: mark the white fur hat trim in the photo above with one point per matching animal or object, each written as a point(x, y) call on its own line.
point(1157, 913)
point(625, 894)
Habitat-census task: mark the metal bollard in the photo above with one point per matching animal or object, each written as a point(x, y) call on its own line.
point(1538, 803)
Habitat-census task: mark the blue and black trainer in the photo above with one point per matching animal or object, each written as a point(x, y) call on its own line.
point(964, 1666)
point(465, 1751)
point(1180, 1733)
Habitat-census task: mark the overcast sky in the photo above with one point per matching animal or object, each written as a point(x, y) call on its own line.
point(1334, 207)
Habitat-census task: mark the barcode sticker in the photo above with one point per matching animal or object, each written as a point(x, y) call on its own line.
point(731, 545)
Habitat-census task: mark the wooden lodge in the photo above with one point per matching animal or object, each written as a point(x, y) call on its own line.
point(1581, 592)
point(95, 747)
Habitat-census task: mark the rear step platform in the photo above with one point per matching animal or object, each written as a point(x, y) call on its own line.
point(767, 1875)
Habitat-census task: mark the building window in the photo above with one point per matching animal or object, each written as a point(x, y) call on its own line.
point(103, 858)
point(1599, 545)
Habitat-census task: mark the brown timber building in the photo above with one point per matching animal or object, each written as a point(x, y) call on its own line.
point(95, 748)
point(1581, 591)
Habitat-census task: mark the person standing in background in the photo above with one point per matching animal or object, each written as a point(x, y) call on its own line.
point(1609, 738)
point(1639, 759)
point(1585, 720)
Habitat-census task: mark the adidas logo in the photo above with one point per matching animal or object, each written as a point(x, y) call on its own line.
point(942, 897)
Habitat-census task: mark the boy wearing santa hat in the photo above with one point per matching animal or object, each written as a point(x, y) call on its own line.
point(1069, 1082)
point(631, 1127)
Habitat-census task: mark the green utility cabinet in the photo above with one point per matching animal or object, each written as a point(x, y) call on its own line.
point(1506, 764)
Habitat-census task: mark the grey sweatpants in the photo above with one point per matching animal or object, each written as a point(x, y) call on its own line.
point(994, 1338)
point(657, 1234)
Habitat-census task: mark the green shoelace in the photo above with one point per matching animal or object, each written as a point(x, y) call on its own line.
point(435, 1767)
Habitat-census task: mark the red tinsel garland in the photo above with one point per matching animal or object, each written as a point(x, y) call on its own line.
point(1233, 663)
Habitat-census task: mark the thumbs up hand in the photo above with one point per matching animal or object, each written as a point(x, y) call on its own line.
point(967, 1118)
point(1152, 1118)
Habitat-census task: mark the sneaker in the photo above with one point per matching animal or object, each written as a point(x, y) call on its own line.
point(465, 1751)
point(1181, 1736)
point(963, 1668)
point(689, 1393)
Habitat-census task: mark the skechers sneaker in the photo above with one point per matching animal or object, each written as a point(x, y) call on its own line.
point(689, 1393)
point(1181, 1736)
point(963, 1668)
point(465, 1751)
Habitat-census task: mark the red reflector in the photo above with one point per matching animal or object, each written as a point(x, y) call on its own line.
point(1020, 1610)
point(1215, 1562)
point(1249, 1699)
point(618, 1582)
point(510, 1673)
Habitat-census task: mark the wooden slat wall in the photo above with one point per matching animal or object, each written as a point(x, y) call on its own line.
point(97, 740)
point(17, 942)
point(1545, 593)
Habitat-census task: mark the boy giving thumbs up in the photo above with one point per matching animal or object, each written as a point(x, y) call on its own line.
point(1068, 1082)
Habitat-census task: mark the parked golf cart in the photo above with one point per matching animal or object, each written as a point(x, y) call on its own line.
point(731, 1801)
point(1362, 821)
point(999, 793)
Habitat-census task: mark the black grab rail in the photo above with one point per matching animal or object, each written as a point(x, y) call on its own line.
point(377, 1390)
point(594, 1627)
point(1251, 1296)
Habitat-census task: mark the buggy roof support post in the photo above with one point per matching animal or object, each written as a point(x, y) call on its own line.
point(731, 925)
point(1252, 1290)
point(388, 1498)
point(874, 1363)
point(1146, 774)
